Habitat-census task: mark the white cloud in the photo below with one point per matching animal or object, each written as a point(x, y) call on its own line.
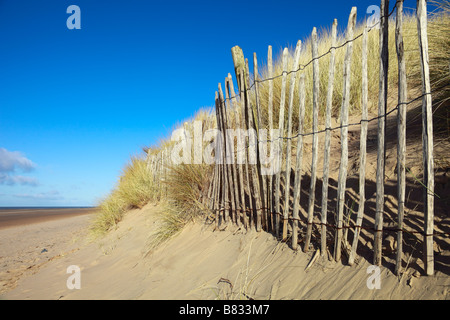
point(9, 162)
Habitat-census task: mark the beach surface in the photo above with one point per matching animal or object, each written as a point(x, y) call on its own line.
point(31, 238)
point(200, 263)
point(26, 216)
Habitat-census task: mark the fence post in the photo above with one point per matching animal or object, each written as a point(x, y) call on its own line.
point(230, 156)
point(247, 169)
point(427, 139)
point(254, 169)
point(240, 171)
point(239, 68)
point(287, 190)
point(236, 215)
point(229, 195)
point(327, 148)
point(212, 189)
point(259, 126)
point(270, 114)
point(219, 166)
point(401, 133)
point(277, 190)
point(344, 131)
point(315, 128)
point(363, 150)
point(298, 164)
point(381, 150)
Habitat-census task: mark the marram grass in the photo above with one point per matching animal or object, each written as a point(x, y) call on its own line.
point(134, 189)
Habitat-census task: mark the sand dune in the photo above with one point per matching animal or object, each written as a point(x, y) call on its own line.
point(202, 264)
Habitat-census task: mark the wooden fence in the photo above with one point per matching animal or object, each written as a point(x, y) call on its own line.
point(243, 195)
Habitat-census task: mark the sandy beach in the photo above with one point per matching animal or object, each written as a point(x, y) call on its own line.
point(30, 238)
point(196, 264)
point(26, 216)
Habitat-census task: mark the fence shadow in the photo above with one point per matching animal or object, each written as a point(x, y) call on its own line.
point(413, 221)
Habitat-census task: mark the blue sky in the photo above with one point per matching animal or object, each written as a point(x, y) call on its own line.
point(76, 104)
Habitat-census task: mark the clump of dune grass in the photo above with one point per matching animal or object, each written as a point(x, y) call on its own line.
point(110, 212)
point(136, 186)
point(134, 189)
point(185, 188)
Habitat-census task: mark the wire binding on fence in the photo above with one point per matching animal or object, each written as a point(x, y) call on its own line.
point(256, 141)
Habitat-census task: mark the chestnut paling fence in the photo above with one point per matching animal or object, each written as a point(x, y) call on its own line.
point(243, 194)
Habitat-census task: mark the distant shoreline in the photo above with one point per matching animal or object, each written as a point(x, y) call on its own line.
point(17, 216)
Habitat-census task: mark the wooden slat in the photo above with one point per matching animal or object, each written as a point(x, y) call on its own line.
point(270, 115)
point(327, 146)
point(298, 164)
point(362, 150)
point(229, 195)
point(161, 176)
point(280, 141)
point(254, 168)
point(220, 193)
point(381, 148)
point(248, 217)
point(239, 167)
point(315, 145)
point(261, 146)
point(344, 132)
point(232, 164)
point(239, 67)
point(427, 138)
point(287, 190)
point(401, 133)
point(212, 189)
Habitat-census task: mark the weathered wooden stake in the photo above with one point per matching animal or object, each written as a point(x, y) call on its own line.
point(298, 164)
point(427, 139)
point(230, 150)
point(238, 154)
point(270, 114)
point(218, 157)
point(381, 148)
point(261, 146)
point(229, 195)
point(401, 133)
point(249, 217)
point(239, 198)
point(362, 150)
point(287, 190)
point(344, 132)
point(254, 169)
point(277, 190)
point(327, 147)
point(315, 145)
